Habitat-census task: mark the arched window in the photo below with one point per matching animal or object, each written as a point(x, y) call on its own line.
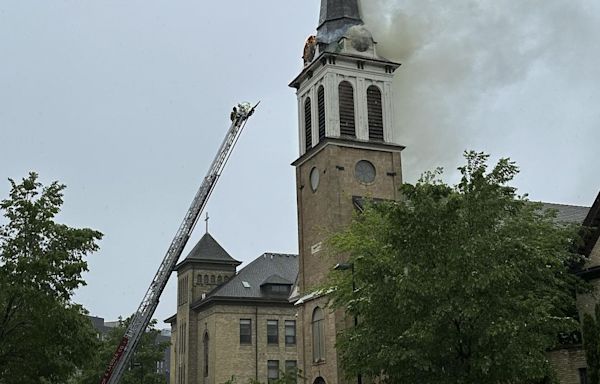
point(205, 354)
point(318, 333)
point(347, 121)
point(319, 380)
point(308, 122)
point(375, 112)
point(219, 279)
point(212, 279)
point(205, 279)
point(321, 105)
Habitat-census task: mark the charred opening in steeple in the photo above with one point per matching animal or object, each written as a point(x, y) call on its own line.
point(336, 17)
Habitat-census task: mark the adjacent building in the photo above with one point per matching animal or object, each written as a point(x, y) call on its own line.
point(233, 324)
point(162, 367)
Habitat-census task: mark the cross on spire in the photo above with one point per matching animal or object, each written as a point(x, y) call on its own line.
point(206, 220)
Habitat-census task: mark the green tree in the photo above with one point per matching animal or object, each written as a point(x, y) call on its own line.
point(143, 364)
point(463, 284)
point(591, 343)
point(44, 336)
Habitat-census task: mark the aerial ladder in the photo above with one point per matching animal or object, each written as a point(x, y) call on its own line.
point(119, 362)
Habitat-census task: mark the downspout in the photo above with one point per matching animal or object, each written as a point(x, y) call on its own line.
point(304, 359)
point(256, 343)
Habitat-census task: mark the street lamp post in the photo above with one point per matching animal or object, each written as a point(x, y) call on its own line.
point(345, 267)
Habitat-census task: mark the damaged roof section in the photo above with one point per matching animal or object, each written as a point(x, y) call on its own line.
point(337, 16)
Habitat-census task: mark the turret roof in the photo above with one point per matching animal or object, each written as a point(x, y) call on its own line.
point(209, 250)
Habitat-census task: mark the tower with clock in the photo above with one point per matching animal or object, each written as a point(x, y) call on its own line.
point(349, 151)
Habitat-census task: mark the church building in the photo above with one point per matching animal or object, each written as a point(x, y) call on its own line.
point(231, 323)
point(270, 316)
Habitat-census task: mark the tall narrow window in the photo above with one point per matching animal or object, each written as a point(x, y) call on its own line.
point(308, 123)
point(272, 332)
point(583, 379)
point(375, 111)
point(318, 333)
point(290, 332)
point(321, 105)
point(272, 370)
point(245, 331)
point(206, 354)
point(347, 121)
point(291, 369)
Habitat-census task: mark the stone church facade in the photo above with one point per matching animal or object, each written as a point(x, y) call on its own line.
point(242, 323)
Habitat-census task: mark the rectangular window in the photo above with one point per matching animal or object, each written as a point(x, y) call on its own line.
point(583, 376)
point(245, 331)
point(272, 370)
point(272, 332)
point(290, 332)
point(291, 369)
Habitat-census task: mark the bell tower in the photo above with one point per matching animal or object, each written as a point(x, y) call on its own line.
point(349, 151)
point(206, 267)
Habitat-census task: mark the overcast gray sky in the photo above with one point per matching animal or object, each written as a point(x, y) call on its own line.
point(127, 102)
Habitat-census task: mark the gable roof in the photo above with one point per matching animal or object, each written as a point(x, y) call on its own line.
point(246, 285)
point(210, 251)
point(574, 214)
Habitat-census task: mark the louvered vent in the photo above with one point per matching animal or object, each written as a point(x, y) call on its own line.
point(375, 112)
point(308, 123)
point(321, 101)
point(347, 123)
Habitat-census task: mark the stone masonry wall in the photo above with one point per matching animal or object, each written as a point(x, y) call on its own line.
point(227, 357)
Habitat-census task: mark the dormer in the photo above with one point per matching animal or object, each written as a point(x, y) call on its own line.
point(276, 285)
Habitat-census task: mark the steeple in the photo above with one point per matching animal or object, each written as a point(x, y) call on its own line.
point(337, 16)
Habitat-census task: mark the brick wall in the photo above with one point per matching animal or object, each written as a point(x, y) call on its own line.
point(567, 362)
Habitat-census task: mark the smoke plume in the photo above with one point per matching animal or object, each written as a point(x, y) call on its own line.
point(485, 74)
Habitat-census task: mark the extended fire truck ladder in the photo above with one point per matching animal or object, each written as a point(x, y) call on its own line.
point(118, 364)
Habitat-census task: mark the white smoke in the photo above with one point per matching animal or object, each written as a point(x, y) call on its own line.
point(360, 37)
point(462, 59)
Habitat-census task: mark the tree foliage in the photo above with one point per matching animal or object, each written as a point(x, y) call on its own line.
point(591, 343)
point(463, 284)
point(44, 336)
point(143, 364)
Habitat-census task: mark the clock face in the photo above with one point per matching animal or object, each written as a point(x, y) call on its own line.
point(365, 172)
point(314, 179)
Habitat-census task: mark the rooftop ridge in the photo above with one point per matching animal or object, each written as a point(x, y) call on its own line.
point(562, 204)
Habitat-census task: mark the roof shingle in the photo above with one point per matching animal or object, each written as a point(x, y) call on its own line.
point(247, 283)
